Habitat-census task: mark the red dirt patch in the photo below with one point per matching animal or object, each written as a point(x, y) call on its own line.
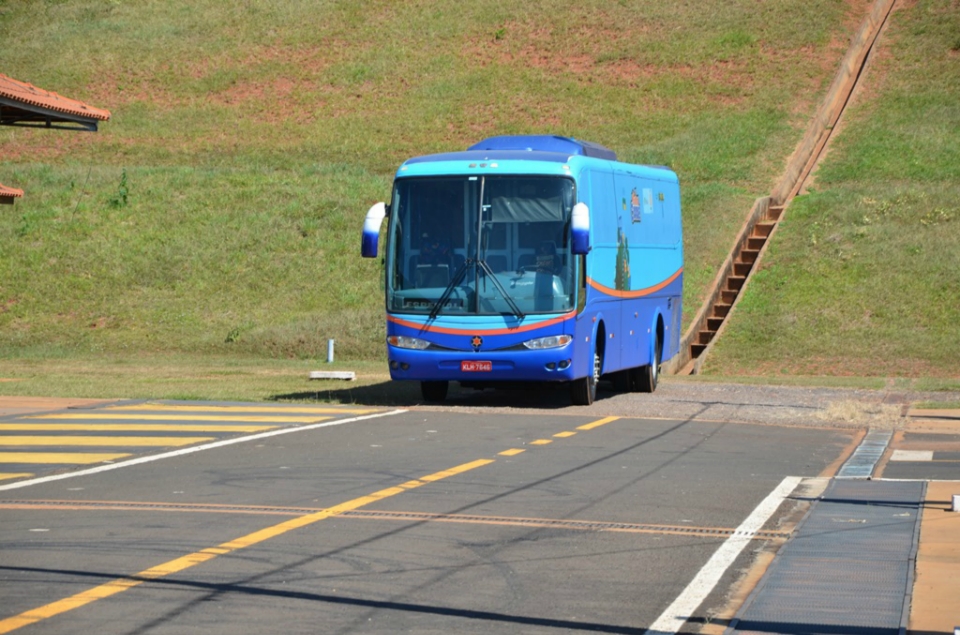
point(29, 145)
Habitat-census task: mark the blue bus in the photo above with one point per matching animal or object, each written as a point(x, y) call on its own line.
point(530, 259)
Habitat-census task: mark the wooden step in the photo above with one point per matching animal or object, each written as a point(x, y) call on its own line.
point(704, 337)
point(763, 228)
point(742, 268)
point(756, 243)
point(727, 297)
point(713, 323)
point(696, 350)
point(748, 255)
point(734, 283)
point(774, 212)
point(719, 310)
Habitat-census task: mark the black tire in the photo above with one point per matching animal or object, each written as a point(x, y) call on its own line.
point(435, 391)
point(583, 391)
point(649, 376)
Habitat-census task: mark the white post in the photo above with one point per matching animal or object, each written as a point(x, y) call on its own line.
point(329, 351)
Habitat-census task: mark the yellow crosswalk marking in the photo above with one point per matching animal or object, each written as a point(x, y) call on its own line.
point(82, 458)
point(104, 416)
point(127, 427)
point(9, 475)
point(20, 440)
point(328, 410)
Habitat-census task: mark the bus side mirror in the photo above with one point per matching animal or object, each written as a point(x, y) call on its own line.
point(371, 230)
point(580, 229)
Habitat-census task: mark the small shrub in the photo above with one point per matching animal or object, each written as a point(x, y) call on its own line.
point(120, 198)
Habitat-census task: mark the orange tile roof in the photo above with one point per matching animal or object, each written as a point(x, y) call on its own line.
point(9, 193)
point(25, 93)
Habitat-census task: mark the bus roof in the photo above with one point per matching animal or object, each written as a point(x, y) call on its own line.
point(483, 155)
point(546, 143)
point(517, 154)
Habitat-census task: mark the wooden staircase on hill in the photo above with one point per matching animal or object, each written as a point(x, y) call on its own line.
point(767, 211)
point(743, 259)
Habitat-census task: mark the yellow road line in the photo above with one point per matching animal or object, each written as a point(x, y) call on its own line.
point(7, 475)
point(541, 442)
point(597, 424)
point(75, 458)
point(179, 564)
point(20, 440)
point(564, 435)
point(263, 409)
point(185, 562)
point(127, 427)
point(104, 416)
point(512, 452)
point(429, 478)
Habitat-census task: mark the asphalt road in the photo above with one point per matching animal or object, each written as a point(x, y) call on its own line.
point(421, 521)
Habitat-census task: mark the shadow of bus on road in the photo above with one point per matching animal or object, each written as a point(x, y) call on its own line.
point(407, 393)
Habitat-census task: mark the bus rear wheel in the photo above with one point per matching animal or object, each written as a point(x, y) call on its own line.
point(583, 391)
point(647, 377)
point(434, 390)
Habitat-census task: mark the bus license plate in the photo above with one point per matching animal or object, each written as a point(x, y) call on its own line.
point(476, 367)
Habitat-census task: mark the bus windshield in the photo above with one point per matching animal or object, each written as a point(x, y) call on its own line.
point(481, 245)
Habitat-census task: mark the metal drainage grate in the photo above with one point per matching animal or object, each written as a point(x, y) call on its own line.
point(580, 525)
point(848, 568)
point(864, 459)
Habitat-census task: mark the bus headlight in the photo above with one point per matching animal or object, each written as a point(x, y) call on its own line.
point(402, 341)
point(553, 341)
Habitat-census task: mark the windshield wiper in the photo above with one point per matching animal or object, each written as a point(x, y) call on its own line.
point(458, 276)
point(506, 296)
point(435, 311)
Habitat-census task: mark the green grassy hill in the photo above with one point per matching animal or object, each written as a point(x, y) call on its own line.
point(863, 277)
point(218, 212)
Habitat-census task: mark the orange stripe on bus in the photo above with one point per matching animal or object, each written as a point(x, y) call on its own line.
point(634, 294)
point(427, 328)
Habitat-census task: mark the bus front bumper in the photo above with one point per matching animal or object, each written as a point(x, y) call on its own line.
point(554, 364)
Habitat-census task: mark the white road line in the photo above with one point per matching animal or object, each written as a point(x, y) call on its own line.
point(912, 455)
point(676, 615)
point(191, 450)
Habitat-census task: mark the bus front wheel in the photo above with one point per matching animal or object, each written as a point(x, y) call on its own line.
point(434, 390)
point(583, 391)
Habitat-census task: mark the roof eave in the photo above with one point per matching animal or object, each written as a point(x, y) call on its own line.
point(9, 194)
point(16, 113)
